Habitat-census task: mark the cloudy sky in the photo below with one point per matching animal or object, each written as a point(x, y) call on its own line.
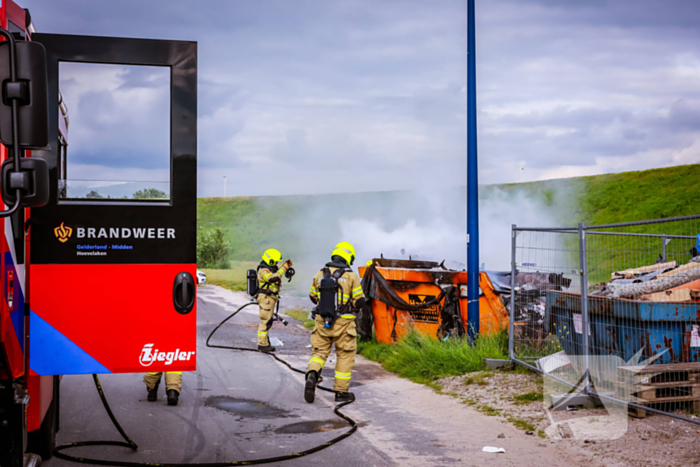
point(352, 95)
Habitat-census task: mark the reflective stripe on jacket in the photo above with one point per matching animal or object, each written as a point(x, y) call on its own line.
point(266, 276)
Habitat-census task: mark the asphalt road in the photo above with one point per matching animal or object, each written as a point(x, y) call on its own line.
point(244, 405)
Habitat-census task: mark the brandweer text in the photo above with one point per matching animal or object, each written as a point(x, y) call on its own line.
point(91, 232)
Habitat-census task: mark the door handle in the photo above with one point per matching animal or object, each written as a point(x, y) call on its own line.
point(183, 293)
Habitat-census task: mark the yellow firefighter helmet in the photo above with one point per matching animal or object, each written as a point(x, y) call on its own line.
point(271, 256)
point(346, 251)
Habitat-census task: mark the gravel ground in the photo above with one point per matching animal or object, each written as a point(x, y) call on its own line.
point(652, 441)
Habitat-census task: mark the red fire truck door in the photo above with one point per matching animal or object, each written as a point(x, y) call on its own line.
point(112, 277)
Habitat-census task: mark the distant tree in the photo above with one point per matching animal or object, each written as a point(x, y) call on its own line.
point(213, 250)
point(94, 194)
point(149, 193)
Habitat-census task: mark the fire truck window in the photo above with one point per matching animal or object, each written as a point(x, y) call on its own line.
point(16, 30)
point(115, 127)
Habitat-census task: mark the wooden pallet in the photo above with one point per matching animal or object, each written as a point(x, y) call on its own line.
point(693, 367)
point(658, 384)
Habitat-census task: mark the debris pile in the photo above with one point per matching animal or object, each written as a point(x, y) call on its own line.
point(660, 282)
point(530, 293)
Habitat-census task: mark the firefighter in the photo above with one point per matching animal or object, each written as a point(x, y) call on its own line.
point(269, 281)
point(337, 327)
point(173, 385)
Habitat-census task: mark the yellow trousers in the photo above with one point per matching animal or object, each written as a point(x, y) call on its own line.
point(173, 380)
point(344, 335)
point(267, 308)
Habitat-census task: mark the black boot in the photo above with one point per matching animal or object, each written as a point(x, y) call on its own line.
point(173, 396)
point(266, 348)
point(310, 388)
point(153, 393)
point(344, 397)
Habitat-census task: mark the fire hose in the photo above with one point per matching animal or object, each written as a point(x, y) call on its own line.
point(129, 443)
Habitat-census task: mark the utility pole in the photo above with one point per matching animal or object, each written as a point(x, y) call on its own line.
point(521, 174)
point(472, 184)
point(225, 177)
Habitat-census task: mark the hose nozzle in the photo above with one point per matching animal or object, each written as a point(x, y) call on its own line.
point(289, 274)
point(277, 317)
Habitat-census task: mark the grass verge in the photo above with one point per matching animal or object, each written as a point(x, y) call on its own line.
point(488, 410)
point(301, 315)
point(423, 359)
point(231, 279)
point(480, 379)
point(528, 397)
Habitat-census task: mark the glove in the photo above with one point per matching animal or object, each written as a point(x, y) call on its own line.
point(287, 264)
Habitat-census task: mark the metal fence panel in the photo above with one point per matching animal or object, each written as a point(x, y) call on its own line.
point(612, 311)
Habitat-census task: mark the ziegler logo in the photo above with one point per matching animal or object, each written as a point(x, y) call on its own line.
point(148, 356)
point(63, 233)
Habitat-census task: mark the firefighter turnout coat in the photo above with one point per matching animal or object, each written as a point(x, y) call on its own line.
point(269, 282)
point(343, 333)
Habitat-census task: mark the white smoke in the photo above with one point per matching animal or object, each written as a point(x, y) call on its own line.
point(427, 225)
point(438, 241)
point(444, 237)
point(497, 214)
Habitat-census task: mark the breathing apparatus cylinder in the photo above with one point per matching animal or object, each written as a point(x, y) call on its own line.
point(252, 278)
point(328, 290)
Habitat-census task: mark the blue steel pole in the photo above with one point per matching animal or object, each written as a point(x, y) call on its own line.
point(472, 183)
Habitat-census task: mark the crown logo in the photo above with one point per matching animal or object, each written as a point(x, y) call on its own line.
point(63, 233)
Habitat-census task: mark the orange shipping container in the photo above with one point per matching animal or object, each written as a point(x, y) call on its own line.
point(418, 283)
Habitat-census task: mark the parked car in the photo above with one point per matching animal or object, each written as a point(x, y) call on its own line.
point(201, 277)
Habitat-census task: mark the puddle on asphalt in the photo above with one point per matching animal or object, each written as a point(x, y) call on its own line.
point(312, 427)
point(245, 407)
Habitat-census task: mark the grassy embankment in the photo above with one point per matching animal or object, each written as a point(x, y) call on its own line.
point(248, 224)
point(615, 198)
point(232, 279)
point(619, 198)
point(253, 223)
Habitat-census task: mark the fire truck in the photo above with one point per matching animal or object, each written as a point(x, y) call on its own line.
point(67, 265)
